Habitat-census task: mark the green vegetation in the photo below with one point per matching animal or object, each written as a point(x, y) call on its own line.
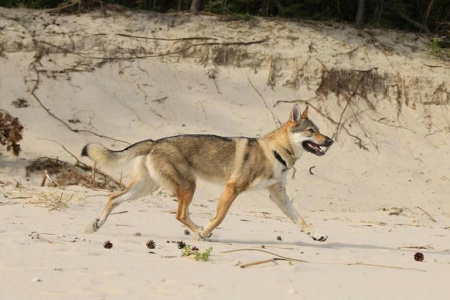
point(188, 250)
point(434, 47)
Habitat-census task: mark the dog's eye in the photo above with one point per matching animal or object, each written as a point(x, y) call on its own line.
point(311, 130)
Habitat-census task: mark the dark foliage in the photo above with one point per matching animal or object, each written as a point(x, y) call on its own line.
point(420, 15)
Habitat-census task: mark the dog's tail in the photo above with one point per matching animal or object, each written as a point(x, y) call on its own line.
point(106, 157)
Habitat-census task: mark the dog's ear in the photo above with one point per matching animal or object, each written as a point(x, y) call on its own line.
point(295, 114)
point(305, 113)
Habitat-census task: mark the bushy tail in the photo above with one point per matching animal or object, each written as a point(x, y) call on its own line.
point(106, 157)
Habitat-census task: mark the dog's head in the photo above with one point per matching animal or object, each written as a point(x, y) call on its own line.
point(304, 134)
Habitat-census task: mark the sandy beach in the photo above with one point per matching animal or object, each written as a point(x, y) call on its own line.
point(380, 193)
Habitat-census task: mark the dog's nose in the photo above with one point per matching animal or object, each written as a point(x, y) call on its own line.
point(328, 142)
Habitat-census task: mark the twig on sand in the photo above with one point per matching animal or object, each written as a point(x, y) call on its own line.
point(261, 262)
point(46, 176)
point(429, 216)
point(280, 257)
point(162, 39)
point(427, 247)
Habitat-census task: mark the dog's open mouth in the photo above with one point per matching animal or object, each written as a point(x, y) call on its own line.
point(313, 148)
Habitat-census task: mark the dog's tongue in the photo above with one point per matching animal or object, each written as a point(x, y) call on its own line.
point(316, 147)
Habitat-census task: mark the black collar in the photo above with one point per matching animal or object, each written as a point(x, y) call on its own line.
point(280, 159)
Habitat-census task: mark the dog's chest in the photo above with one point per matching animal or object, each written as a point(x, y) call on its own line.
point(261, 183)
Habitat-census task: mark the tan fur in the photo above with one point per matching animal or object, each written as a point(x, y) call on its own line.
point(239, 163)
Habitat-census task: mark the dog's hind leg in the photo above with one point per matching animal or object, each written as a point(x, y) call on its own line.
point(143, 186)
point(133, 191)
point(279, 196)
point(175, 174)
point(184, 196)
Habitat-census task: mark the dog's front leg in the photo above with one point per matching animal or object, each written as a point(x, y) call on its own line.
point(229, 194)
point(279, 196)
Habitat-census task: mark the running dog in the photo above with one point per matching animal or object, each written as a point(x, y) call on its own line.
point(239, 163)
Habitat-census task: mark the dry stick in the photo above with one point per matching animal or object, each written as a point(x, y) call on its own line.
point(161, 39)
point(44, 178)
point(65, 149)
point(280, 257)
point(429, 216)
point(47, 176)
point(268, 252)
point(260, 262)
point(428, 247)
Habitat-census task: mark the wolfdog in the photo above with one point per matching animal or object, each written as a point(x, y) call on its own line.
point(239, 163)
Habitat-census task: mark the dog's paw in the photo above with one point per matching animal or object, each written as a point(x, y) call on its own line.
point(203, 236)
point(319, 237)
point(91, 227)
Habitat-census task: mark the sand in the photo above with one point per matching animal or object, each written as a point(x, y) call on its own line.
point(380, 193)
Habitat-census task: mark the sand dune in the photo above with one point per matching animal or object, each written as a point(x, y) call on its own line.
point(380, 193)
